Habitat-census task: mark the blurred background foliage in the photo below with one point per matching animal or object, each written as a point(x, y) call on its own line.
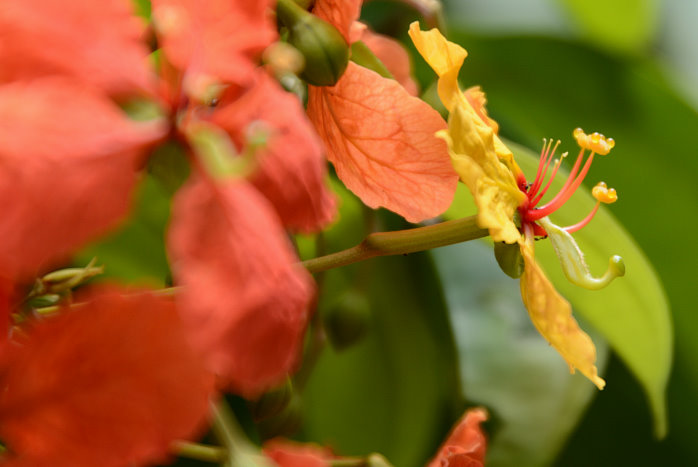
point(433, 333)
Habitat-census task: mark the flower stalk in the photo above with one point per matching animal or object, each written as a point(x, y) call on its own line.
point(401, 242)
point(201, 452)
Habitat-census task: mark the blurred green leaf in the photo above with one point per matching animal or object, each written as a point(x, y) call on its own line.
point(617, 25)
point(396, 390)
point(506, 365)
point(142, 8)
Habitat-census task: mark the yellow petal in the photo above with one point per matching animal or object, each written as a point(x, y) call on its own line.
point(552, 316)
point(471, 146)
point(444, 57)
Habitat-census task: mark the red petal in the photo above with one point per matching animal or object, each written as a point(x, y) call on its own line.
point(290, 454)
point(214, 39)
point(465, 446)
point(292, 171)
point(245, 298)
point(67, 166)
point(339, 13)
point(382, 144)
point(97, 42)
point(394, 56)
point(110, 382)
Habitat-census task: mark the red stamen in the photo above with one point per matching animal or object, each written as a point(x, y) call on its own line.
point(543, 155)
point(544, 163)
point(564, 194)
point(550, 181)
point(575, 227)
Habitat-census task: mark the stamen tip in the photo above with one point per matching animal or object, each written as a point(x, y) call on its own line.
point(603, 194)
point(595, 142)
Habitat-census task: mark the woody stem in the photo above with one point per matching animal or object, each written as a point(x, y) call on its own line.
point(401, 242)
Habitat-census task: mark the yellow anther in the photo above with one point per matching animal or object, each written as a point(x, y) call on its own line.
point(604, 194)
point(595, 142)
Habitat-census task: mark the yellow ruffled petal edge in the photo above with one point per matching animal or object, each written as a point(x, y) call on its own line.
point(475, 150)
point(552, 316)
point(444, 57)
point(470, 145)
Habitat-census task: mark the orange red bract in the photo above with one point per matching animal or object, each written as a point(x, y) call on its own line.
point(69, 161)
point(379, 137)
point(217, 40)
point(70, 158)
point(287, 453)
point(245, 298)
point(466, 444)
point(110, 382)
point(291, 170)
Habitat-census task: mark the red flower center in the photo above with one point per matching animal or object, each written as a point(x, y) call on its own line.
point(531, 212)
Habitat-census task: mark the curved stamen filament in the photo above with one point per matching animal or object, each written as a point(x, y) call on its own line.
point(575, 227)
point(565, 193)
point(573, 172)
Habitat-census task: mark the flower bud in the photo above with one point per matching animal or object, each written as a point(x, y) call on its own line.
point(348, 320)
point(377, 460)
point(509, 258)
point(325, 51)
point(284, 423)
point(273, 402)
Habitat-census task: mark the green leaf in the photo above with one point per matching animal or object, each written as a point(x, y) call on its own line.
point(362, 55)
point(142, 8)
point(506, 365)
point(618, 25)
point(396, 390)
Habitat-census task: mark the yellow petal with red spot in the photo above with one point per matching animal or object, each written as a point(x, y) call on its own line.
point(552, 316)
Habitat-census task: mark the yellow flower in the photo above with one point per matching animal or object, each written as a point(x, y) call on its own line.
point(508, 204)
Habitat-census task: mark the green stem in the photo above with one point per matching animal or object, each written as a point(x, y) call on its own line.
point(401, 242)
point(240, 452)
point(348, 462)
point(201, 452)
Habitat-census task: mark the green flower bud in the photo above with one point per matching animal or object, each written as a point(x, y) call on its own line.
point(509, 258)
point(325, 50)
point(43, 301)
point(285, 423)
point(377, 460)
point(348, 320)
point(273, 402)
